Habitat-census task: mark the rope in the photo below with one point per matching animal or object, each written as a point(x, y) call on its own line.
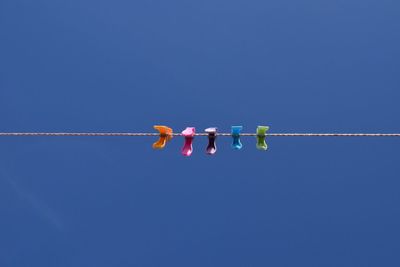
point(206, 134)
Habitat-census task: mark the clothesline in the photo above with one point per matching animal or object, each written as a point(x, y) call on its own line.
point(200, 134)
point(165, 134)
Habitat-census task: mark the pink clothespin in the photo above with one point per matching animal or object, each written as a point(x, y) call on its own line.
point(188, 133)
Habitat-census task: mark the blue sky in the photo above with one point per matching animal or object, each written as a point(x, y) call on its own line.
point(297, 66)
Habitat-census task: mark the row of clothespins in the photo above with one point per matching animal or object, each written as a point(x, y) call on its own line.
point(166, 135)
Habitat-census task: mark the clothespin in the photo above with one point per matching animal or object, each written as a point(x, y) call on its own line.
point(212, 136)
point(188, 134)
point(236, 144)
point(165, 136)
point(261, 134)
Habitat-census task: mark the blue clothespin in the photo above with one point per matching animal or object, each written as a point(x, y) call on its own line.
point(236, 144)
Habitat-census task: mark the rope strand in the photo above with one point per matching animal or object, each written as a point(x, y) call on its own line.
point(206, 134)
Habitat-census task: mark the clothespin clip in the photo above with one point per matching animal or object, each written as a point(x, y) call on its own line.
point(261, 134)
point(187, 148)
point(236, 144)
point(212, 135)
point(165, 136)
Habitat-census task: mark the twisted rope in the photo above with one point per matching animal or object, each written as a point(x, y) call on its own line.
point(205, 134)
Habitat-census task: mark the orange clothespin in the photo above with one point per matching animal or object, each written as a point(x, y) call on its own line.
point(165, 136)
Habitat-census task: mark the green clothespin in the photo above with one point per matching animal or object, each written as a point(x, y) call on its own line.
point(261, 134)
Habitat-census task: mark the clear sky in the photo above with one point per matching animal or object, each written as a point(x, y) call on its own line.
point(297, 66)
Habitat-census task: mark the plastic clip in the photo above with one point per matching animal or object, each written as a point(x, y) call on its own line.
point(261, 134)
point(236, 144)
point(212, 136)
point(187, 148)
point(165, 136)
